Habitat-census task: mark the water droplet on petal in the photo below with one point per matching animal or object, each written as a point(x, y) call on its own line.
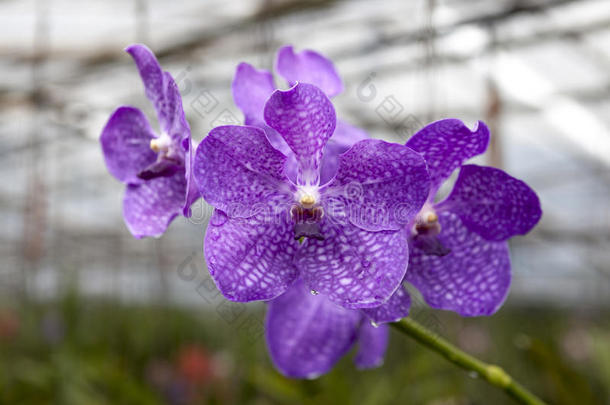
point(218, 218)
point(314, 292)
point(374, 324)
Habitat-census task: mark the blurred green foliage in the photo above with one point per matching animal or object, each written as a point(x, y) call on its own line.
point(78, 352)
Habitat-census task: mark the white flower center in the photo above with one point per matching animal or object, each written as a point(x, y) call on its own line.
point(430, 217)
point(307, 196)
point(161, 144)
point(427, 221)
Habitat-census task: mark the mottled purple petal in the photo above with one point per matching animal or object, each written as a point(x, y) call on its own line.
point(251, 90)
point(306, 119)
point(126, 144)
point(344, 137)
point(308, 334)
point(353, 267)
point(250, 258)
point(308, 67)
point(383, 185)
point(162, 91)
point(150, 71)
point(149, 207)
point(472, 280)
point(372, 345)
point(177, 127)
point(236, 168)
point(445, 145)
point(397, 307)
point(492, 203)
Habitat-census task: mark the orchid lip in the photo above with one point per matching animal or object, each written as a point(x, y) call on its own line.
point(307, 222)
point(425, 233)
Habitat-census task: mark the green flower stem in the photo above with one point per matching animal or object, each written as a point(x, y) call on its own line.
point(493, 374)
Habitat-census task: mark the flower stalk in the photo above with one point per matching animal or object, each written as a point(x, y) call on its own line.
point(491, 373)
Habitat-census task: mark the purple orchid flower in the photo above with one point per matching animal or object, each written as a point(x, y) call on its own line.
point(463, 264)
point(459, 252)
point(307, 334)
point(356, 255)
point(155, 168)
point(253, 87)
point(459, 260)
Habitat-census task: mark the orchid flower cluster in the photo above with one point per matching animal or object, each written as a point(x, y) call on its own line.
point(316, 218)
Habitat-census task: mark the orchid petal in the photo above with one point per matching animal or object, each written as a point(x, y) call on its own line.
point(149, 207)
point(372, 345)
point(382, 185)
point(492, 203)
point(445, 145)
point(251, 89)
point(308, 67)
point(397, 307)
point(250, 258)
point(353, 267)
point(126, 144)
point(162, 91)
point(236, 169)
point(307, 334)
point(306, 119)
point(472, 280)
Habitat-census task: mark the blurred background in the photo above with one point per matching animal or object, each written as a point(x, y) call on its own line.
point(88, 315)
